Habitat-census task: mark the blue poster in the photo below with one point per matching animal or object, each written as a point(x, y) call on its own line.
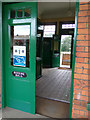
point(19, 60)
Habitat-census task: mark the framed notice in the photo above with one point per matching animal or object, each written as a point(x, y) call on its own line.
point(19, 56)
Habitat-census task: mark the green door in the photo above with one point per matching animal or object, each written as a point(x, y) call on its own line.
point(19, 55)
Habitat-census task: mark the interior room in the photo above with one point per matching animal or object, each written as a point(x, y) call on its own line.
point(55, 33)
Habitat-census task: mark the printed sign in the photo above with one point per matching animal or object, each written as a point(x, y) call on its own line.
point(19, 56)
point(19, 74)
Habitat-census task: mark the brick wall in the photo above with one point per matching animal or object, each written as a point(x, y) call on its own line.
point(82, 62)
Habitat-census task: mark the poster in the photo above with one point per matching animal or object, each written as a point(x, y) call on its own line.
point(19, 56)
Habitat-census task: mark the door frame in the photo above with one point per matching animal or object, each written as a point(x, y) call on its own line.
point(73, 59)
point(74, 53)
point(66, 32)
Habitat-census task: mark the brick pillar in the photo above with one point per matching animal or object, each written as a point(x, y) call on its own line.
point(82, 61)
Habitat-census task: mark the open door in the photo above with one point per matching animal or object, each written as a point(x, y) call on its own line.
point(19, 55)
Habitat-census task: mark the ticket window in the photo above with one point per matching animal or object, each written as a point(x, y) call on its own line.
point(20, 35)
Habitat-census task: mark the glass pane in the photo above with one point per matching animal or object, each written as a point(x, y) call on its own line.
point(20, 36)
point(49, 34)
point(68, 26)
point(27, 12)
point(12, 14)
point(19, 13)
point(49, 28)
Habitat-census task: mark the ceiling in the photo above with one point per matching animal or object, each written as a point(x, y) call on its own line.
point(56, 9)
point(50, 10)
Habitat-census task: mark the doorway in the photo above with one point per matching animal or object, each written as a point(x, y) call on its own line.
point(53, 87)
point(65, 52)
point(32, 48)
point(66, 43)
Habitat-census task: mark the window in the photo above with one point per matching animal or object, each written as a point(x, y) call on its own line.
point(49, 30)
point(20, 13)
point(68, 26)
point(27, 12)
point(12, 14)
point(20, 36)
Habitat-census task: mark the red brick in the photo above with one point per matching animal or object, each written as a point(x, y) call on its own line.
point(74, 115)
point(85, 98)
point(82, 25)
point(83, 43)
point(88, 71)
point(86, 60)
point(77, 102)
point(83, 19)
point(77, 70)
point(80, 84)
point(87, 93)
point(85, 71)
point(83, 103)
point(83, 13)
point(88, 12)
point(76, 111)
point(80, 65)
point(79, 60)
point(82, 54)
point(81, 31)
point(80, 107)
point(76, 91)
point(83, 92)
point(86, 49)
point(88, 25)
point(83, 7)
point(86, 114)
point(83, 2)
point(79, 49)
point(81, 76)
point(82, 37)
point(82, 113)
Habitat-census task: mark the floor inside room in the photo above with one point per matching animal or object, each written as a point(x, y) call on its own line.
point(54, 84)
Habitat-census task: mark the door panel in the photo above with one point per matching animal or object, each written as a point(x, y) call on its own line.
point(19, 35)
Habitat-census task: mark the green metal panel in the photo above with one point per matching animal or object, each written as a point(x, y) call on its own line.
point(88, 106)
point(74, 54)
point(20, 92)
point(55, 60)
